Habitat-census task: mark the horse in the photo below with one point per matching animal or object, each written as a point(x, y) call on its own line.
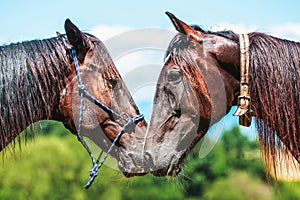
point(200, 82)
point(38, 82)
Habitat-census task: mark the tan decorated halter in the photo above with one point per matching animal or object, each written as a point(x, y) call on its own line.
point(243, 110)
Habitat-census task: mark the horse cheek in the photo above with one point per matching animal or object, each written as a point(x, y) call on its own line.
point(90, 121)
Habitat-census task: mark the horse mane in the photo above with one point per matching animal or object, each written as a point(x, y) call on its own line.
point(274, 90)
point(275, 97)
point(225, 33)
point(32, 75)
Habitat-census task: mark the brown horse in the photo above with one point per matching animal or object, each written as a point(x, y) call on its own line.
point(200, 82)
point(37, 82)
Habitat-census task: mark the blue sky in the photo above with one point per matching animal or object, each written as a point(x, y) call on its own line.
point(26, 20)
point(22, 20)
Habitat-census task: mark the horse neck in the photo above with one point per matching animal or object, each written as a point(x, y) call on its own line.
point(32, 74)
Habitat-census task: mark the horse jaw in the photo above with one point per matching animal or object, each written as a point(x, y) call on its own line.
point(166, 150)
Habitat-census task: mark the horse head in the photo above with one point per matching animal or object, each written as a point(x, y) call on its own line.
point(101, 79)
point(193, 92)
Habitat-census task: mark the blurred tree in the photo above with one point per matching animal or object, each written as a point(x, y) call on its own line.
point(50, 127)
point(234, 145)
point(149, 188)
point(238, 185)
point(233, 152)
point(52, 167)
point(241, 153)
point(288, 190)
point(200, 172)
point(56, 166)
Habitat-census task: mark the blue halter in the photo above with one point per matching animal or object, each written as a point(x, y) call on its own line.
point(83, 93)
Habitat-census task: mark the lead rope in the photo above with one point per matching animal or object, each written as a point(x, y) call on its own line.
point(83, 93)
point(243, 110)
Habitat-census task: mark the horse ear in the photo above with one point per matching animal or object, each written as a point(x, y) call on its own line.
point(77, 39)
point(184, 28)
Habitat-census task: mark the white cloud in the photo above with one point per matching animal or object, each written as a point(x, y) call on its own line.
point(139, 64)
point(125, 61)
point(105, 32)
point(290, 31)
point(237, 28)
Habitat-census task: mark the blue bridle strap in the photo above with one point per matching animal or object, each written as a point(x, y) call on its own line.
point(83, 93)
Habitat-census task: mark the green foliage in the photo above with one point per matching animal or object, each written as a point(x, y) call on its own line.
point(149, 188)
point(51, 168)
point(55, 166)
point(205, 170)
point(234, 144)
point(288, 190)
point(230, 154)
point(242, 154)
point(50, 127)
point(238, 185)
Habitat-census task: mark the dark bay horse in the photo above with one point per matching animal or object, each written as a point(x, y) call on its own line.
point(200, 82)
point(38, 82)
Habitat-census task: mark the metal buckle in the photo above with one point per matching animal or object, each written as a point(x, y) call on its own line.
point(243, 111)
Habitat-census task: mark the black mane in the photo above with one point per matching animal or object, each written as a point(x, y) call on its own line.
point(226, 33)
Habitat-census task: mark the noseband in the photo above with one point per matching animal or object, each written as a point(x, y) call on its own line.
point(83, 93)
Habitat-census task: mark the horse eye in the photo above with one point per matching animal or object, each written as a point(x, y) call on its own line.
point(174, 76)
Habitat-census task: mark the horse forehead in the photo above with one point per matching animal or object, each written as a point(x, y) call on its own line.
point(171, 66)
